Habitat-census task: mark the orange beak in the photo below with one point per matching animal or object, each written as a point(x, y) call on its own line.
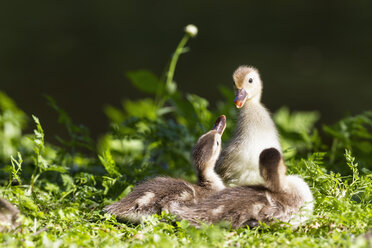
point(240, 97)
point(220, 124)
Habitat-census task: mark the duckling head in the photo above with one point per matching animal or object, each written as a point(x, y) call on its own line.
point(208, 148)
point(248, 83)
point(272, 169)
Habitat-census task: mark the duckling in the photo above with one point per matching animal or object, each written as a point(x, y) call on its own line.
point(255, 131)
point(158, 194)
point(284, 198)
point(8, 216)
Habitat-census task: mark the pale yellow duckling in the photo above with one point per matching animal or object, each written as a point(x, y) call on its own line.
point(255, 131)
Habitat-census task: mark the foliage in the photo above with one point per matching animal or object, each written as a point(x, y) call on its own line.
point(61, 190)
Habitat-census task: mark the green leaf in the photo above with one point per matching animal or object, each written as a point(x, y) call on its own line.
point(109, 164)
point(68, 181)
point(201, 109)
point(15, 168)
point(145, 81)
point(183, 224)
point(107, 183)
point(141, 108)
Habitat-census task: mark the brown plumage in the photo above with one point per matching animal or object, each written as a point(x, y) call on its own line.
point(161, 193)
point(8, 216)
point(283, 198)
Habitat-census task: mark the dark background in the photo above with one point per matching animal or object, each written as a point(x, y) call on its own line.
point(312, 55)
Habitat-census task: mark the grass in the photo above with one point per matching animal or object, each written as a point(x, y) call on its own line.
point(61, 189)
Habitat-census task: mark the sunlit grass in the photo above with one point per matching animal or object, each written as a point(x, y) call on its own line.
point(61, 191)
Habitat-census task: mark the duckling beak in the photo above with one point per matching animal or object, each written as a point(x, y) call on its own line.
point(220, 124)
point(240, 97)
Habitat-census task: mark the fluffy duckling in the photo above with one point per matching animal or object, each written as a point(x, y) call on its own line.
point(255, 131)
point(284, 198)
point(8, 216)
point(158, 194)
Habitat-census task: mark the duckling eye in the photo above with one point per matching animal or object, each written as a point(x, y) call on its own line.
point(218, 143)
point(250, 80)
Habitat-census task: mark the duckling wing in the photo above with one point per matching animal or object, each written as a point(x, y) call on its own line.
point(152, 197)
point(239, 206)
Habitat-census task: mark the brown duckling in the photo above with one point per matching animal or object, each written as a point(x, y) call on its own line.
point(284, 198)
point(8, 216)
point(254, 132)
point(158, 194)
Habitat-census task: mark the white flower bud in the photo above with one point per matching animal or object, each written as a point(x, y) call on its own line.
point(191, 30)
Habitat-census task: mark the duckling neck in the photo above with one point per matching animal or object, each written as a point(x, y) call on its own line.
point(209, 179)
point(252, 111)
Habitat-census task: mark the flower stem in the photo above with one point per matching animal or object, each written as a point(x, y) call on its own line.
point(173, 63)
